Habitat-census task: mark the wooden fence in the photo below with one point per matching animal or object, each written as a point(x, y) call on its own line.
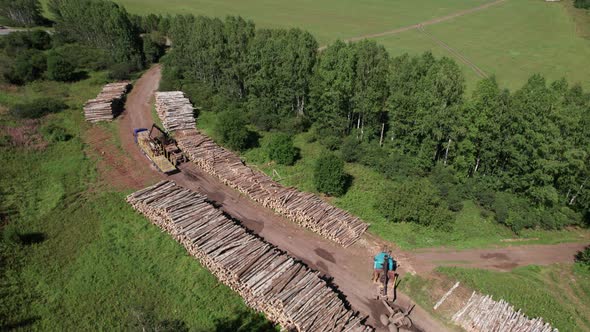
point(305, 209)
point(269, 280)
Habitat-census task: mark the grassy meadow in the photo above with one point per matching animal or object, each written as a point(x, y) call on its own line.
point(512, 40)
point(328, 20)
point(75, 256)
point(559, 293)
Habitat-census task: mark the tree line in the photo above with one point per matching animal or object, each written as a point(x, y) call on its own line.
point(523, 155)
point(88, 35)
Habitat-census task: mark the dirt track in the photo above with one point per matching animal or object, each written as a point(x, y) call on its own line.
point(349, 267)
point(422, 24)
point(502, 259)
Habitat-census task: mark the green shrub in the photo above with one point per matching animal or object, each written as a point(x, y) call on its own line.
point(373, 156)
point(28, 66)
point(331, 142)
point(59, 68)
point(329, 176)
point(121, 71)
point(55, 133)
point(454, 200)
point(281, 149)
point(521, 217)
point(583, 256)
point(231, 126)
point(24, 40)
point(585, 4)
point(414, 200)
point(262, 119)
point(84, 57)
point(501, 206)
point(153, 49)
point(485, 197)
point(22, 12)
point(294, 124)
point(5, 140)
point(351, 149)
point(37, 108)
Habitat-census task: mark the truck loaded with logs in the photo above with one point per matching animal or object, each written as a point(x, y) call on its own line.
point(159, 148)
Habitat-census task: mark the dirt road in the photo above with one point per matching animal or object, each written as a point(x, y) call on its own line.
point(350, 267)
point(501, 259)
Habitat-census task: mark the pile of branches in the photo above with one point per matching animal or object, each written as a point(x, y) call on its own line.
point(175, 111)
point(482, 313)
point(108, 104)
point(269, 280)
point(305, 209)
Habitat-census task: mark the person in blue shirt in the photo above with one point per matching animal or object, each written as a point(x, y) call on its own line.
point(379, 260)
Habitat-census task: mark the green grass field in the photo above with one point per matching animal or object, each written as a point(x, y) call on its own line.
point(512, 40)
point(470, 229)
point(75, 256)
point(326, 19)
point(558, 293)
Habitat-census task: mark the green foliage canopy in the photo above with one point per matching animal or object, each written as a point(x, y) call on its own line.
point(281, 149)
point(414, 200)
point(101, 24)
point(59, 68)
point(22, 12)
point(232, 128)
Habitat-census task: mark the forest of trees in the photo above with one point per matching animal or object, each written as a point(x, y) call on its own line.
point(523, 155)
point(22, 12)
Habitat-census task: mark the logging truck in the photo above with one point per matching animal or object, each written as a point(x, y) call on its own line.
point(159, 148)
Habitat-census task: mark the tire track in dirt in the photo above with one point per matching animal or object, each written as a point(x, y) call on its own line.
point(421, 24)
point(478, 71)
point(500, 259)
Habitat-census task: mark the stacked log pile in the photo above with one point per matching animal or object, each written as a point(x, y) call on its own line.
point(108, 104)
point(175, 111)
point(269, 280)
point(305, 209)
point(482, 313)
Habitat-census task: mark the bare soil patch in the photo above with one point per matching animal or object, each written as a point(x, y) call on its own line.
point(26, 135)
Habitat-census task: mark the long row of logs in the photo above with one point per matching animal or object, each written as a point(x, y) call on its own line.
point(481, 313)
point(305, 209)
point(109, 102)
point(269, 280)
point(175, 111)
